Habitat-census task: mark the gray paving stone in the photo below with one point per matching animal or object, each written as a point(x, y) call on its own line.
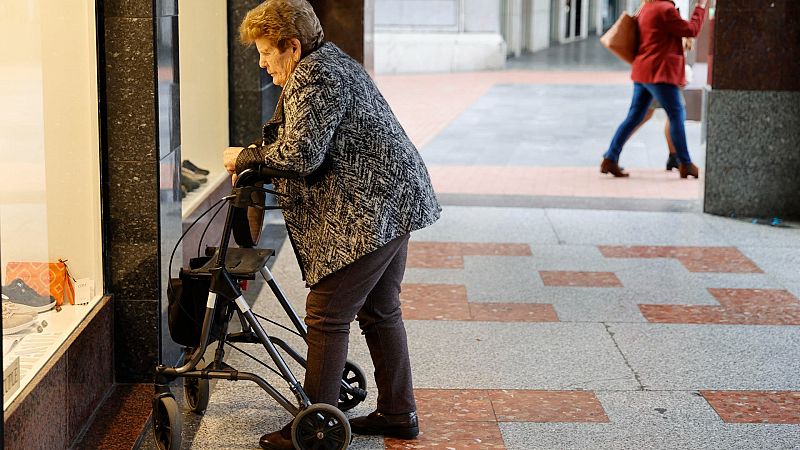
point(435, 276)
point(688, 357)
point(781, 263)
point(471, 224)
point(746, 234)
point(643, 420)
point(481, 355)
point(591, 227)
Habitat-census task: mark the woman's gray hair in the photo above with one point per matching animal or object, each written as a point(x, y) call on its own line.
point(282, 20)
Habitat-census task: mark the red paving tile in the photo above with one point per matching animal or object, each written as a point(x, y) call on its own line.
point(737, 307)
point(443, 434)
point(434, 302)
point(547, 406)
point(579, 279)
point(468, 418)
point(449, 302)
point(755, 406)
point(449, 255)
point(513, 312)
point(695, 259)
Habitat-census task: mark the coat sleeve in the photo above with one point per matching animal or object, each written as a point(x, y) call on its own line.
point(675, 25)
point(313, 111)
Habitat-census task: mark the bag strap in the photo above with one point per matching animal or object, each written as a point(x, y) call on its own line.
point(69, 290)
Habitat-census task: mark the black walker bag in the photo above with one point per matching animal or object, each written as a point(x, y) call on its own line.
point(187, 296)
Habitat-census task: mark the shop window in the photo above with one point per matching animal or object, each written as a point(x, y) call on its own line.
point(49, 179)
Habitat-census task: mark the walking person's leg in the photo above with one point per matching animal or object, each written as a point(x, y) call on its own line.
point(640, 102)
point(672, 160)
point(670, 97)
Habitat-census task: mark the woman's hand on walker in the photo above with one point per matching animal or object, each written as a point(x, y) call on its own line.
point(229, 161)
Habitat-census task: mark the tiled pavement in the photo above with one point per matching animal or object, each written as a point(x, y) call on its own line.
point(557, 328)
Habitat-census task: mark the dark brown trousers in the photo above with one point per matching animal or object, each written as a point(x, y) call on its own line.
point(369, 290)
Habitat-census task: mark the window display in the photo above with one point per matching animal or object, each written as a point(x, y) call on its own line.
point(50, 240)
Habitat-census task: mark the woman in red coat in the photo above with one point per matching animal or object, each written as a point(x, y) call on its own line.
point(658, 72)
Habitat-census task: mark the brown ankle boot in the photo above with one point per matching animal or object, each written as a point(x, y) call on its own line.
point(609, 166)
point(687, 170)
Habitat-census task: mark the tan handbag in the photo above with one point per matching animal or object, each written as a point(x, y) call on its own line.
point(622, 39)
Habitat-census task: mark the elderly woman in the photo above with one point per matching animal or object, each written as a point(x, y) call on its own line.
point(364, 188)
point(658, 72)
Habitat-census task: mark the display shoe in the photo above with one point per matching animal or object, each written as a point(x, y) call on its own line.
point(14, 320)
point(401, 426)
point(186, 164)
point(189, 184)
point(672, 162)
point(20, 293)
point(193, 176)
point(609, 166)
point(687, 170)
point(278, 440)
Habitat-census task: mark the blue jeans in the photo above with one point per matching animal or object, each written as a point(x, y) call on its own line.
point(670, 98)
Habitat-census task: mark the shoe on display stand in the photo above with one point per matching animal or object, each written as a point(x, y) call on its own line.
point(20, 293)
point(193, 176)
point(189, 165)
point(15, 321)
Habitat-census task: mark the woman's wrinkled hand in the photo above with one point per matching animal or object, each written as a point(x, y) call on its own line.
point(229, 158)
point(229, 161)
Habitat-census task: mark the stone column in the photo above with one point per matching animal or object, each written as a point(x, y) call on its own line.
point(753, 153)
point(140, 129)
point(350, 25)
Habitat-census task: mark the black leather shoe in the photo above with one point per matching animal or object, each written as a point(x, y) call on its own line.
point(401, 426)
point(278, 440)
point(672, 162)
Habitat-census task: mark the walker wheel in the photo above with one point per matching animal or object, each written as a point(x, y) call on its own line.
point(197, 392)
point(166, 423)
point(321, 426)
point(355, 378)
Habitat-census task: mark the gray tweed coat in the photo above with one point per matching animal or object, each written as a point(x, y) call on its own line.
point(364, 181)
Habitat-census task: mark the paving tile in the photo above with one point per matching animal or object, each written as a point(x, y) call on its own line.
point(579, 279)
point(512, 312)
point(469, 405)
point(487, 224)
point(738, 306)
point(434, 302)
point(711, 357)
point(442, 434)
point(450, 255)
point(546, 406)
point(695, 259)
point(755, 406)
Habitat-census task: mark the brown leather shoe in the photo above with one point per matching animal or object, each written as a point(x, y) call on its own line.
point(609, 166)
point(687, 170)
point(278, 440)
point(401, 426)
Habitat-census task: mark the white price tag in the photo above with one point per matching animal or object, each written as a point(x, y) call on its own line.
point(84, 290)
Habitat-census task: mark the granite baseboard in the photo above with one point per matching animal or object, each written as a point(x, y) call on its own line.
point(53, 409)
point(753, 154)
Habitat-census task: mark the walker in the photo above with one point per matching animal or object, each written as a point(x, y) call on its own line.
point(209, 280)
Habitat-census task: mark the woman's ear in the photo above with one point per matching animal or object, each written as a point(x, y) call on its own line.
point(297, 48)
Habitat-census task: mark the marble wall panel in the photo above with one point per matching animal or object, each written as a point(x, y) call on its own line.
point(244, 79)
point(136, 339)
point(752, 159)
point(343, 23)
point(128, 8)
point(90, 369)
point(757, 45)
point(131, 106)
point(45, 404)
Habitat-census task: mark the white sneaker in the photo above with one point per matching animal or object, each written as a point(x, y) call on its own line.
point(15, 320)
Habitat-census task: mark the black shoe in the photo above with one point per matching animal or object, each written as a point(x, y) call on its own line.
point(186, 164)
point(401, 426)
point(672, 162)
point(278, 440)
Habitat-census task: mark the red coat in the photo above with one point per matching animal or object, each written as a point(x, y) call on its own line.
point(660, 58)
